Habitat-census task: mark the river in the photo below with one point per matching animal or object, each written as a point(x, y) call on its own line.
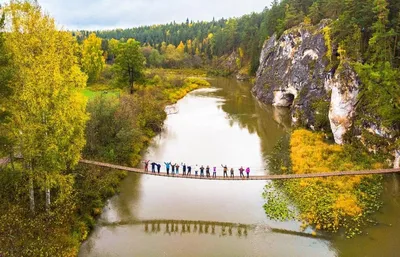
point(158, 216)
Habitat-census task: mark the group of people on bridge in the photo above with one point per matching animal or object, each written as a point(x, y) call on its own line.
point(198, 170)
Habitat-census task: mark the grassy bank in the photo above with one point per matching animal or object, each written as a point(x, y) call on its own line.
point(331, 204)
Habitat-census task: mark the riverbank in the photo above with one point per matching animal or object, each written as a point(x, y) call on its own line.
point(120, 129)
point(143, 113)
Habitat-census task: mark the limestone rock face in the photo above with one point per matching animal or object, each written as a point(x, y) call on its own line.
point(292, 72)
point(396, 163)
point(295, 73)
point(228, 63)
point(345, 88)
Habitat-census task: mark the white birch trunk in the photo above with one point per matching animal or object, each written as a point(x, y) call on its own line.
point(48, 200)
point(31, 190)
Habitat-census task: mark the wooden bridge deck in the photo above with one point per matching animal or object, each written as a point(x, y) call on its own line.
point(252, 177)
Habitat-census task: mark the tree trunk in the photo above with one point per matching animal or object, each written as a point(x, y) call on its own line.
point(48, 199)
point(48, 202)
point(12, 161)
point(132, 89)
point(31, 189)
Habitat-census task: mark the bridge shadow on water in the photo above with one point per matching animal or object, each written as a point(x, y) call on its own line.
point(214, 228)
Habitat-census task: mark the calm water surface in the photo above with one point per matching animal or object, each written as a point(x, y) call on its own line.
point(155, 216)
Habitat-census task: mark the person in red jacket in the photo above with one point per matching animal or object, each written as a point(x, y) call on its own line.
point(146, 165)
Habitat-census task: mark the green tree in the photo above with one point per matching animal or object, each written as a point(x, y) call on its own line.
point(5, 89)
point(47, 112)
point(155, 58)
point(381, 42)
point(129, 63)
point(293, 16)
point(92, 57)
point(380, 95)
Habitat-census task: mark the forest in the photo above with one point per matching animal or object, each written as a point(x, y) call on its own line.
point(200, 43)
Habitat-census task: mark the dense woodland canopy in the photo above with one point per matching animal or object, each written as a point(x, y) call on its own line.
point(362, 34)
point(354, 23)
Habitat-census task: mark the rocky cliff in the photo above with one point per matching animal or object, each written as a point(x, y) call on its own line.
point(294, 72)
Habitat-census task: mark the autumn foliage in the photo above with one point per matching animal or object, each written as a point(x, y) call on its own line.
point(327, 203)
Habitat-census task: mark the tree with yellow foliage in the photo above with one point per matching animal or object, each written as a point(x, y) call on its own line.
point(47, 112)
point(180, 48)
point(92, 57)
point(5, 90)
point(324, 203)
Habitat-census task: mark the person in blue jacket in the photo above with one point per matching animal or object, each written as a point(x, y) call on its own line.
point(167, 165)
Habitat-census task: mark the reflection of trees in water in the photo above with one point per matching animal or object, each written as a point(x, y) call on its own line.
point(270, 123)
point(130, 195)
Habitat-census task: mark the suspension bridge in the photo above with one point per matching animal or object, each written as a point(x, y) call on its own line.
point(5, 161)
point(252, 177)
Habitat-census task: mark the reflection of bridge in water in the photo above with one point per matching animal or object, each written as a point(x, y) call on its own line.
point(222, 229)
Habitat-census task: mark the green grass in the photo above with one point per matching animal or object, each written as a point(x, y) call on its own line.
point(90, 93)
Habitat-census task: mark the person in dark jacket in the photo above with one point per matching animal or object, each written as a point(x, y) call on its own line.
point(158, 168)
point(184, 169)
point(225, 170)
point(153, 167)
point(202, 171)
point(189, 170)
point(241, 172)
point(173, 169)
point(208, 171)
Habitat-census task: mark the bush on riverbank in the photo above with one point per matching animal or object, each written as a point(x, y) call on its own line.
point(120, 128)
point(175, 84)
point(174, 94)
point(325, 203)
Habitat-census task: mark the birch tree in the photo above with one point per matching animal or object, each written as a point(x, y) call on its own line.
point(47, 111)
point(92, 57)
